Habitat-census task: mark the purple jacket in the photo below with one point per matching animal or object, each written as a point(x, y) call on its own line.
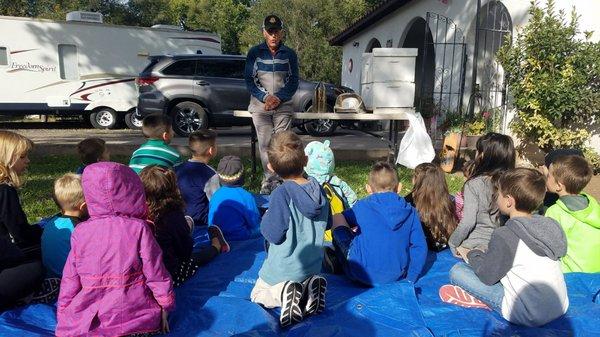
point(114, 282)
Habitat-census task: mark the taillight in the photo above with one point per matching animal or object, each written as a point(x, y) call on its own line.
point(143, 81)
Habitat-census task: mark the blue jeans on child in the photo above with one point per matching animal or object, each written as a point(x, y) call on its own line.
point(462, 275)
point(342, 239)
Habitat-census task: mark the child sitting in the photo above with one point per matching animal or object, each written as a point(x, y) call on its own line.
point(389, 244)
point(434, 204)
point(56, 238)
point(156, 150)
point(232, 208)
point(91, 150)
point(551, 197)
point(293, 227)
point(114, 282)
point(320, 166)
point(197, 181)
point(578, 213)
point(519, 275)
point(171, 229)
point(495, 154)
point(20, 268)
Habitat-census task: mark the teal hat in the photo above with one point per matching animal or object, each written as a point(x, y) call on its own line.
point(321, 161)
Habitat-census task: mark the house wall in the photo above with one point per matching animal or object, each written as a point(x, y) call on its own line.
point(393, 28)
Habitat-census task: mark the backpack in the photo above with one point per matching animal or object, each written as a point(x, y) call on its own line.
point(336, 202)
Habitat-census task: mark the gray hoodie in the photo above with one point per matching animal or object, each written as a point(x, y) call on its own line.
point(523, 255)
point(480, 216)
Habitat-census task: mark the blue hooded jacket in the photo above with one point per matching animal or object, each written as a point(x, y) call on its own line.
point(294, 226)
point(390, 245)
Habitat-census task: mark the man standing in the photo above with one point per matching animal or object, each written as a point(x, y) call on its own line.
point(272, 79)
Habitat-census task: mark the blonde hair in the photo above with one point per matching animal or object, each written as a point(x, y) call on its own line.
point(12, 146)
point(68, 193)
point(383, 177)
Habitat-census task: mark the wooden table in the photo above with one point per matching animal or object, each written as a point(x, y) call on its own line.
point(394, 119)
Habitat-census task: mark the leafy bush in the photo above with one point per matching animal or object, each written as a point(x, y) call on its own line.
point(554, 78)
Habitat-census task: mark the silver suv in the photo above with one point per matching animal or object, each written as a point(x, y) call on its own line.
point(202, 90)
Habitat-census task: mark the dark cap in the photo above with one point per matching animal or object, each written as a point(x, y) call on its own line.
point(272, 22)
point(231, 171)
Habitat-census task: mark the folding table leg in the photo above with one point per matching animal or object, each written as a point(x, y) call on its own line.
point(253, 141)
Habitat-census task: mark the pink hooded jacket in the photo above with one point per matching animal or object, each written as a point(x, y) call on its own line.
point(114, 282)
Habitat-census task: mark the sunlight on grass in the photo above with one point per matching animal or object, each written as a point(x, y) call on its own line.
point(36, 194)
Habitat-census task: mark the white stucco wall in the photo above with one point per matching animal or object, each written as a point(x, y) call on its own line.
point(395, 26)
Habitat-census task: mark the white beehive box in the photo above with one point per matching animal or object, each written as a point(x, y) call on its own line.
point(388, 78)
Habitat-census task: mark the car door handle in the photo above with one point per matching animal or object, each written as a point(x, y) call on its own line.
point(202, 83)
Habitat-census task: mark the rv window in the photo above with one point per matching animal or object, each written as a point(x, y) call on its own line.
point(67, 62)
point(181, 68)
point(223, 68)
point(3, 56)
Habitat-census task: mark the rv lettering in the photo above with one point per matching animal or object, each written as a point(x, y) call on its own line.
point(39, 68)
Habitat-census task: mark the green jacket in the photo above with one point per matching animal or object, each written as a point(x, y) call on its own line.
point(582, 229)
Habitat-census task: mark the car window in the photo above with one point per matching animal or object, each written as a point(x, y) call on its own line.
point(222, 68)
point(181, 68)
point(149, 67)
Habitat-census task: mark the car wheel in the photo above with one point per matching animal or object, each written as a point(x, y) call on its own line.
point(132, 122)
point(104, 118)
point(320, 127)
point(188, 117)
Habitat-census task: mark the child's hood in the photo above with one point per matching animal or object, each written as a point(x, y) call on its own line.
point(542, 235)
point(308, 198)
point(391, 208)
point(113, 189)
point(589, 215)
point(321, 162)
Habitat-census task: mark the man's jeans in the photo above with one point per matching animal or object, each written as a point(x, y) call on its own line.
point(267, 124)
point(462, 275)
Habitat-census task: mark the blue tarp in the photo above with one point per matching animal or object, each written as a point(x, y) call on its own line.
point(215, 302)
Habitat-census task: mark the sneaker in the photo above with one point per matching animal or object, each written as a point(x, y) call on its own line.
point(331, 265)
point(215, 232)
point(316, 287)
point(456, 295)
point(48, 291)
point(291, 295)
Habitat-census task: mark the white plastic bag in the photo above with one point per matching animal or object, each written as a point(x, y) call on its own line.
point(416, 147)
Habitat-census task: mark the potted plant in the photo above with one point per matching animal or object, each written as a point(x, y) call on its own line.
point(453, 138)
point(474, 130)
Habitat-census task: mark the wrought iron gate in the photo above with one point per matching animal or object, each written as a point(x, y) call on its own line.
point(493, 28)
point(443, 77)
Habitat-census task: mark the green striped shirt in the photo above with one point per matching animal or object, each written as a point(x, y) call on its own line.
point(154, 152)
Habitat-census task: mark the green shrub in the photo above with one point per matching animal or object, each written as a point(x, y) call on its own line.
point(554, 78)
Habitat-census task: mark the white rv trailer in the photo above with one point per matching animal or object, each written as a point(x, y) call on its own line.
point(83, 67)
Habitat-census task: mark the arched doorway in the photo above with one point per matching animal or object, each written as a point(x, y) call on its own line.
point(418, 35)
point(374, 43)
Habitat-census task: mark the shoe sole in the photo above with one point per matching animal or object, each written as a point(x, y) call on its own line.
point(315, 304)
point(49, 291)
point(291, 313)
point(456, 295)
point(225, 248)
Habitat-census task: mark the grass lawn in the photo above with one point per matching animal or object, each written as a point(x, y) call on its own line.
point(36, 194)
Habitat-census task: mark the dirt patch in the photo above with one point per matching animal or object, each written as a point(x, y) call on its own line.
point(593, 188)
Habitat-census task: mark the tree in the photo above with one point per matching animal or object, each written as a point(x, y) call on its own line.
point(225, 17)
point(554, 77)
point(308, 25)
